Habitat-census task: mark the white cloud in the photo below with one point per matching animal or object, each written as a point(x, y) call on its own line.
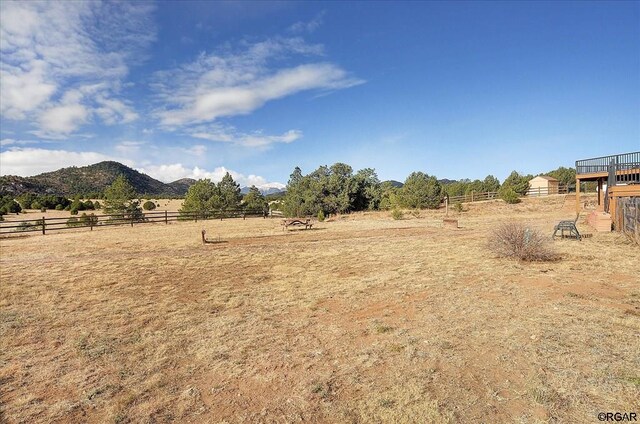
point(128, 147)
point(310, 26)
point(32, 161)
point(176, 171)
point(69, 59)
point(12, 142)
point(219, 133)
point(216, 86)
point(196, 150)
point(23, 91)
point(63, 119)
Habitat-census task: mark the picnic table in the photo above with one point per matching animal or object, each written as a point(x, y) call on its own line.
point(286, 223)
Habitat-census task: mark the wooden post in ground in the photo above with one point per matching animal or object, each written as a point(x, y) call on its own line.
point(472, 195)
point(446, 206)
point(600, 195)
point(43, 225)
point(577, 195)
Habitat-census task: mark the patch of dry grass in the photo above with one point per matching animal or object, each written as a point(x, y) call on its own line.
point(363, 319)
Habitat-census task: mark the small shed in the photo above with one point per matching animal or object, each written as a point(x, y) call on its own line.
point(543, 185)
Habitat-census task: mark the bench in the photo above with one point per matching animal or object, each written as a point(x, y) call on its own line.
point(569, 226)
point(286, 223)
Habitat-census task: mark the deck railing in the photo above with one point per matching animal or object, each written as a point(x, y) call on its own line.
point(622, 162)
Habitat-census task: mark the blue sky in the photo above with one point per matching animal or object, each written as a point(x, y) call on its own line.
point(195, 89)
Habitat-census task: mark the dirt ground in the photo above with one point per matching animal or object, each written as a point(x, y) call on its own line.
point(361, 319)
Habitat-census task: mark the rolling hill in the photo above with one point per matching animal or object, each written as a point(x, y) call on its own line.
point(90, 179)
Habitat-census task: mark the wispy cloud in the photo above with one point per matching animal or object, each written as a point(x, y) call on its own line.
point(228, 134)
point(128, 147)
point(237, 83)
point(63, 63)
point(12, 142)
point(308, 26)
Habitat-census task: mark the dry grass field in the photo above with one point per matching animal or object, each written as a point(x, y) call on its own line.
point(363, 319)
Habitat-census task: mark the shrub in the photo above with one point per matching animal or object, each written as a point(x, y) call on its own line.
point(320, 215)
point(509, 195)
point(515, 240)
point(35, 205)
point(88, 205)
point(90, 219)
point(97, 205)
point(25, 226)
point(43, 209)
point(74, 211)
point(457, 206)
point(67, 208)
point(416, 213)
point(59, 207)
point(73, 222)
point(148, 205)
point(397, 214)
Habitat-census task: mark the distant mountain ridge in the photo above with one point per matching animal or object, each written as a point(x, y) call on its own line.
point(97, 177)
point(90, 179)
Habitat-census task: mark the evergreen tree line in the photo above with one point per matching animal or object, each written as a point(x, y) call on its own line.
point(205, 197)
point(337, 189)
point(327, 190)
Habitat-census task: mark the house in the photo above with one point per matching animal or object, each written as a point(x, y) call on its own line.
point(618, 179)
point(543, 185)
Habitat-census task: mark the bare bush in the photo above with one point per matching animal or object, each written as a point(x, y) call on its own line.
point(515, 240)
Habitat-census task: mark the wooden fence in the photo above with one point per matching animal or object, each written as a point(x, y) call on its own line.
point(532, 192)
point(91, 221)
point(474, 197)
point(547, 191)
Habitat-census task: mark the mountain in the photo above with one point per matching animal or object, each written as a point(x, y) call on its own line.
point(182, 185)
point(394, 183)
point(86, 179)
point(266, 189)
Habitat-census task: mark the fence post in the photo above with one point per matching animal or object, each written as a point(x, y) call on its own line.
point(43, 225)
point(132, 219)
point(472, 192)
point(196, 212)
point(166, 218)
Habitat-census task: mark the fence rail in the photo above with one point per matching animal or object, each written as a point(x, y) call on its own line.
point(92, 221)
point(474, 197)
point(490, 195)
